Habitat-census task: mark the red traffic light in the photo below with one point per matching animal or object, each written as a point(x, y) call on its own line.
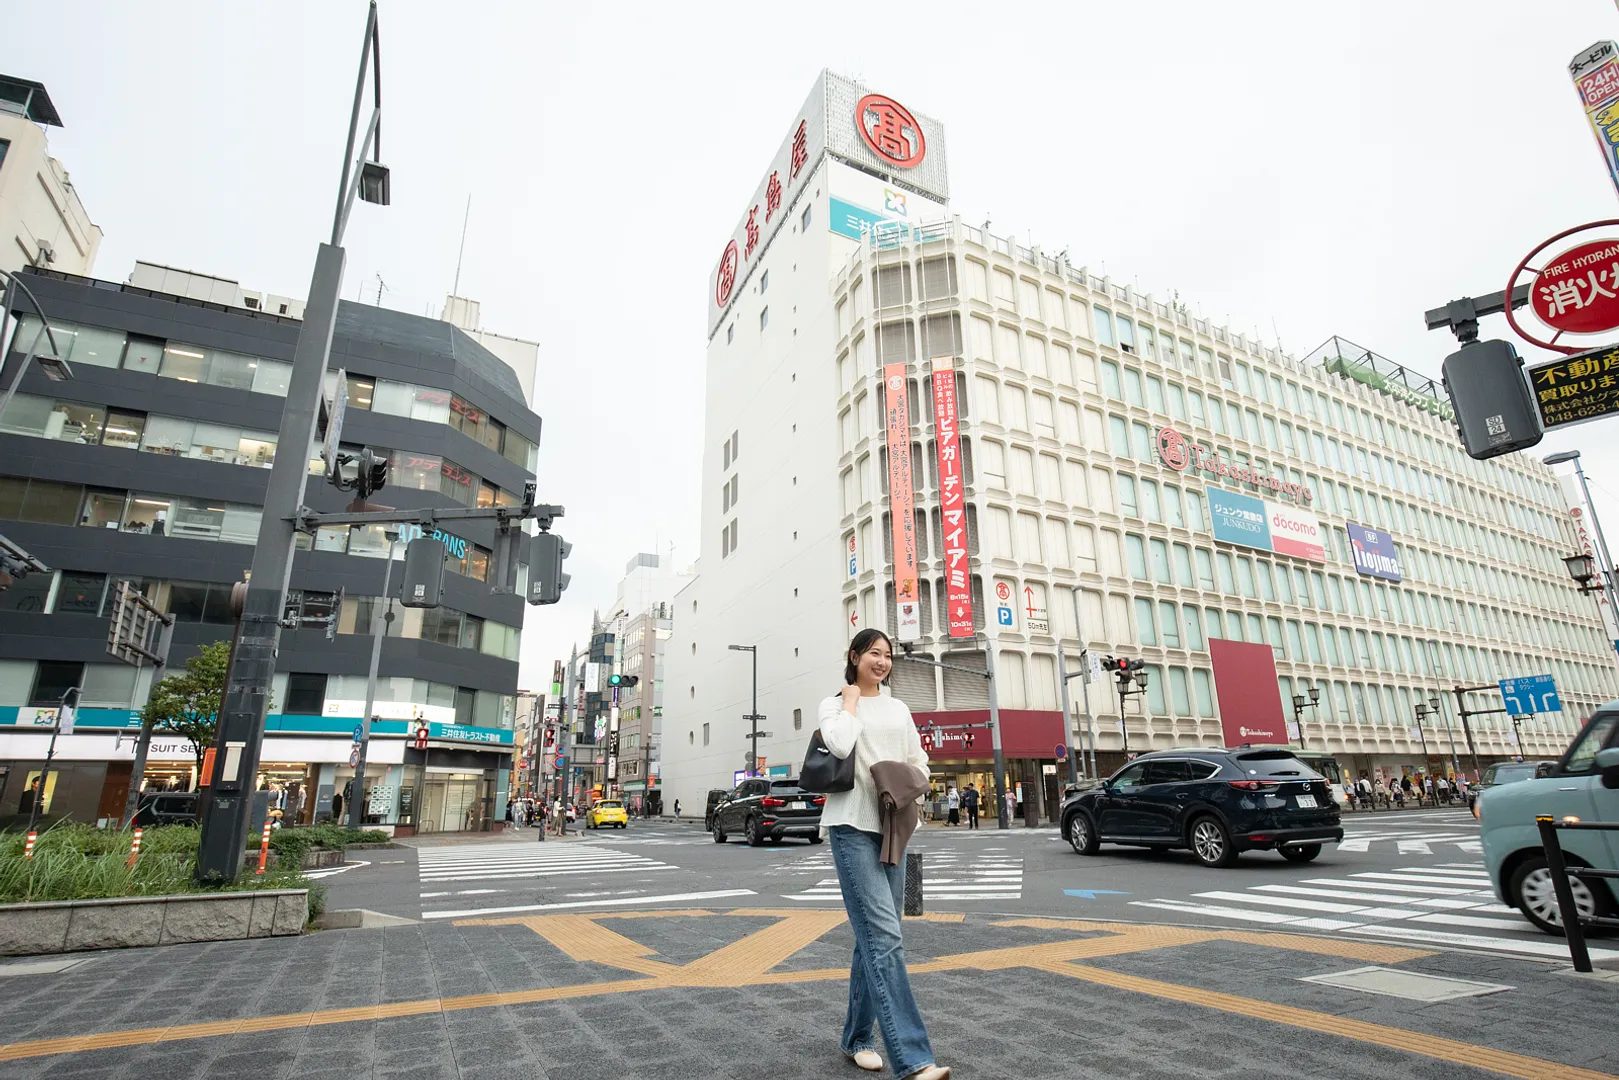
point(421, 737)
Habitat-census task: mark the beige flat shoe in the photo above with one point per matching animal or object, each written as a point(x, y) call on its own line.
point(870, 1060)
point(932, 1072)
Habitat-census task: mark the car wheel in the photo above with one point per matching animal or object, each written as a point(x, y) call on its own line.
point(1532, 892)
point(1081, 835)
point(1211, 843)
point(751, 832)
point(719, 833)
point(1301, 853)
point(816, 839)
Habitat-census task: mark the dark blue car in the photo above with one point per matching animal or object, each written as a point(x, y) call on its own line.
point(1215, 802)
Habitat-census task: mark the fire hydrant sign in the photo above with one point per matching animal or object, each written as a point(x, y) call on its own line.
point(1578, 291)
point(1577, 388)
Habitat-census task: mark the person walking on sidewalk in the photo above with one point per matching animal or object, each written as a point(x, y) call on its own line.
point(969, 803)
point(877, 730)
point(952, 803)
point(677, 811)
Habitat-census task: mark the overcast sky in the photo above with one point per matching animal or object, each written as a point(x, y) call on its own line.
point(1299, 170)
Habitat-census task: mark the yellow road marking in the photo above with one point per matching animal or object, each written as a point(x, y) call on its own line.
point(1412, 1042)
point(750, 961)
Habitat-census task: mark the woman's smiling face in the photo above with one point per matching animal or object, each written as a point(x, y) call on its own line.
point(876, 662)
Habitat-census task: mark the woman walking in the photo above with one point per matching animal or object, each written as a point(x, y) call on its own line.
point(876, 729)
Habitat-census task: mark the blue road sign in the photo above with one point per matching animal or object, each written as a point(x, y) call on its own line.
point(1062, 751)
point(1092, 894)
point(359, 733)
point(1003, 616)
point(562, 762)
point(1531, 694)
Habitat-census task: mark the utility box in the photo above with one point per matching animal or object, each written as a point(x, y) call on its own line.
point(424, 573)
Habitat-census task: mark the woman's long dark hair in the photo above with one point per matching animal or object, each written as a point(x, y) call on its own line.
point(860, 646)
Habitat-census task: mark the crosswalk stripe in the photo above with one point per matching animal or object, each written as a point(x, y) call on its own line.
point(1540, 946)
point(1391, 886)
point(1437, 879)
point(1352, 894)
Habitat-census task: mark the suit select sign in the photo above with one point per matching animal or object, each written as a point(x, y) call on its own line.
point(1258, 523)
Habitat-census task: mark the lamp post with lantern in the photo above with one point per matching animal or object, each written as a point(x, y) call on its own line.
point(1299, 705)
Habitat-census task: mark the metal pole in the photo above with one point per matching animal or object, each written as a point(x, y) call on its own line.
point(1604, 560)
point(143, 741)
point(754, 719)
point(1467, 731)
point(50, 753)
point(240, 736)
point(1450, 734)
point(1067, 716)
point(570, 768)
point(379, 630)
point(1124, 729)
point(1001, 816)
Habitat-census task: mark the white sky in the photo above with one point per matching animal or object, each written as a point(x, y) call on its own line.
point(1302, 170)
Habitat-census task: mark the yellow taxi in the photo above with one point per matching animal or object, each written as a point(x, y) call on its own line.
point(608, 812)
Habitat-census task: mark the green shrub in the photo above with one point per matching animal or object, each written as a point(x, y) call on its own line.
point(291, 844)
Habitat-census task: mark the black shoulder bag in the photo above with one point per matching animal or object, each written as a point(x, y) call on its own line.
point(824, 772)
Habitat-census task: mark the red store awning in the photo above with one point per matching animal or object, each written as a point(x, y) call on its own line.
point(1025, 733)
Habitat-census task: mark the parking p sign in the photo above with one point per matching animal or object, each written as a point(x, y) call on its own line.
point(1532, 694)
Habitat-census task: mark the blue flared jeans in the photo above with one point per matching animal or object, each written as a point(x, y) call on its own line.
point(879, 986)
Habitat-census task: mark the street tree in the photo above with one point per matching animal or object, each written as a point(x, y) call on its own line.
point(187, 702)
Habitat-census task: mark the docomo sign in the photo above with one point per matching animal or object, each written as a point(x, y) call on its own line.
point(1180, 453)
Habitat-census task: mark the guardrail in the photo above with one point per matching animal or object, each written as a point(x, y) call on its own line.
point(1574, 923)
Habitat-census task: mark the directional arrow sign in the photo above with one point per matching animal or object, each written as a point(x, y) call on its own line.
point(1092, 894)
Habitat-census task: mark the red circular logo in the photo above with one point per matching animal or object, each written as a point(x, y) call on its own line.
point(1172, 449)
point(1578, 291)
point(725, 281)
point(889, 129)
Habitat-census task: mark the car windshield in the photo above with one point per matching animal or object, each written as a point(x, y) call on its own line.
point(785, 787)
point(1507, 774)
point(610, 805)
point(1278, 763)
point(1583, 757)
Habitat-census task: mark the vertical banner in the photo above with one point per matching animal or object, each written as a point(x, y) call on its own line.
point(952, 501)
point(1596, 78)
point(1577, 509)
point(902, 501)
point(1250, 700)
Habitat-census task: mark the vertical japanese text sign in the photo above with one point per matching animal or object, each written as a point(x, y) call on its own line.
point(952, 502)
point(902, 501)
point(1595, 72)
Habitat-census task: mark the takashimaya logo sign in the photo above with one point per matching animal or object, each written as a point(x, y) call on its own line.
point(1179, 453)
point(726, 281)
point(890, 130)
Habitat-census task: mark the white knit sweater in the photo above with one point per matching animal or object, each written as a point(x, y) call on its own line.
point(880, 729)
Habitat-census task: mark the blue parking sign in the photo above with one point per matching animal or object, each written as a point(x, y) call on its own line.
point(1003, 616)
point(1532, 694)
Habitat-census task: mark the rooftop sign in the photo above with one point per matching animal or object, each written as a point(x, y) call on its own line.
point(872, 132)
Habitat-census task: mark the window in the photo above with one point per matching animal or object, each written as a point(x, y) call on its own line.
point(803, 222)
point(705, 734)
point(730, 336)
point(30, 593)
point(764, 317)
point(53, 679)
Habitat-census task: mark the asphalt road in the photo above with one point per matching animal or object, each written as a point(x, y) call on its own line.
point(1412, 877)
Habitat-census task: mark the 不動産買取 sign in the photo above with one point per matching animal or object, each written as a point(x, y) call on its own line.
point(1577, 388)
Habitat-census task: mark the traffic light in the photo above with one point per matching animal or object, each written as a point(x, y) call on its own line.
point(546, 579)
point(424, 573)
point(421, 738)
point(372, 476)
point(510, 543)
point(623, 680)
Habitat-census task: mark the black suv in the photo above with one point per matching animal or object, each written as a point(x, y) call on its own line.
point(1215, 802)
point(166, 808)
point(762, 809)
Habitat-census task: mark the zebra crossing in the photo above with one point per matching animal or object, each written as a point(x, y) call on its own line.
point(487, 862)
point(1409, 843)
point(1445, 904)
point(987, 874)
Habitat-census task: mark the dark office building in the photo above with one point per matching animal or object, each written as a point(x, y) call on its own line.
point(150, 465)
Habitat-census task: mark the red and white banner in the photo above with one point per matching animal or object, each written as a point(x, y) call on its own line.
point(1295, 532)
point(952, 501)
point(902, 501)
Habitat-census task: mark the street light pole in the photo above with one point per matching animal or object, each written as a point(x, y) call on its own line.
point(1002, 816)
point(753, 714)
point(240, 730)
point(379, 630)
point(1067, 717)
point(64, 711)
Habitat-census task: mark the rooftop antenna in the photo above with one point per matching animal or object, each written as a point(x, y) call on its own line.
point(1278, 330)
point(381, 285)
point(455, 290)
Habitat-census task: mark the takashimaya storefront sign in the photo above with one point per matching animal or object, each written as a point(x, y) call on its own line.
point(1181, 454)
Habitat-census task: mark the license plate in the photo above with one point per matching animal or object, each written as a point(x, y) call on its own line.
point(797, 806)
point(1306, 802)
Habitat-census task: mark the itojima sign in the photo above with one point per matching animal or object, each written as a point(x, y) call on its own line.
point(1180, 453)
point(1374, 552)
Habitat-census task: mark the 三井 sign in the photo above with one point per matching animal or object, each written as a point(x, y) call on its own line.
point(1578, 291)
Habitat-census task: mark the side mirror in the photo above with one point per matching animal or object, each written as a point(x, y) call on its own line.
point(1607, 763)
